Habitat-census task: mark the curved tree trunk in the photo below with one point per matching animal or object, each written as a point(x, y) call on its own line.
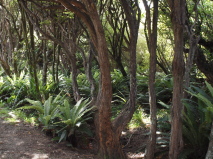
point(107, 132)
point(108, 147)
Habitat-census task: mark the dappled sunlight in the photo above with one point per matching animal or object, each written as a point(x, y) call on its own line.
point(12, 115)
point(21, 140)
point(38, 156)
point(96, 79)
point(7, 154)
point(135, 155)
point(20, 143)
point(13, 119)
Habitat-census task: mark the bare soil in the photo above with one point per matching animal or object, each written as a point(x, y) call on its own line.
point(23, 141)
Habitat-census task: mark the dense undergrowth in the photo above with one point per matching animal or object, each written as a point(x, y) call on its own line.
point(63, 119)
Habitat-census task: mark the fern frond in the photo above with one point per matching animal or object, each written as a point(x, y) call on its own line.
point(38, 108)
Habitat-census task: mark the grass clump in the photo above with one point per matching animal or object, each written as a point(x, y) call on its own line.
point(139, 120)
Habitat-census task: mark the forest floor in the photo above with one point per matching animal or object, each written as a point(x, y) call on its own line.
point(19, 140)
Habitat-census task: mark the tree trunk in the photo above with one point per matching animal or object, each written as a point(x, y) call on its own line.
point(189, 62)
point(33, 62)
point(6, 67)
point(152, 42)
point(209, 154)
point(193, 41)
point(93, 91)
point(73, 60)
point(205, 66)
point(44, 73)
point(108, 133)
point(53, 60)
point(109, 145)
point(178, 22)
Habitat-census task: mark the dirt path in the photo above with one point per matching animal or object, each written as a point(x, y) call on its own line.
point(22, 141)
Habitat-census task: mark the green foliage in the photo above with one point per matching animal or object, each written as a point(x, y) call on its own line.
point(139, 119)
point(47, 111)
point(14, 116)
point(66, 84)
point(142, 88)
point(4, 112)
point(119, 83)
point(163, 129)
point(58, 116)
point(45, 22)
point(164, 121)
point(163, 87)
point(84, 84)
point(205, 99)
point(195, 130)
point(14, 89)
point(74, 118)
point(197, 121)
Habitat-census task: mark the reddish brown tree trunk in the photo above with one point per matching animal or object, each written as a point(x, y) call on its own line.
point(107, 132)
point(178, 22)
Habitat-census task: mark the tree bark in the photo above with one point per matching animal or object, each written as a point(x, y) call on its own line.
point(44, 73)
point(178, 21)
point(107, 132)
point(6, 67)
point(209, 154)
point(205, 66)
point(193, 41)
point(33, 62)
point(152, 45)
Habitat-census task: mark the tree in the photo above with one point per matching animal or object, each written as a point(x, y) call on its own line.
point(10, 37)
point(67, 42)
point(178, 23)
point(209, 153)
point(117, 33)
point(152, 45)
point(108, 133)
point(193, 45)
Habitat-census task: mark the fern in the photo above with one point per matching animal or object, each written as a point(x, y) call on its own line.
point(47, 111)
point(74, 118)
point(38, 108)
point(197, 121)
